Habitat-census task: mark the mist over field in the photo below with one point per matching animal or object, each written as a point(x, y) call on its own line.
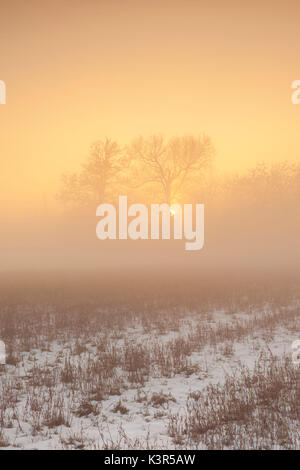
point(114, 334)
point(252, 223)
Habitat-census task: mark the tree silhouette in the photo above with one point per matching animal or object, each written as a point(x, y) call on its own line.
point(169, 165)
point(98, 176)
point(161, 168)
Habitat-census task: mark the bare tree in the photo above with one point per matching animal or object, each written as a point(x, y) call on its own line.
point(166, 166)
point(169, 165)
point(263, 185)
point(97, 177)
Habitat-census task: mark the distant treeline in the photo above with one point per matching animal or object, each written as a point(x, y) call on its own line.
point(175, 170)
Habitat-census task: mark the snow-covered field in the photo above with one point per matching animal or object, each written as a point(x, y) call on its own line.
point(184, 378)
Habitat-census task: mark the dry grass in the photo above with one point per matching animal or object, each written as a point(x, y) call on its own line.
point(258, 409)
point(65, 359)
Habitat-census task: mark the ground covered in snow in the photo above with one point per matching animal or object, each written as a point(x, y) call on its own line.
point(163, 378)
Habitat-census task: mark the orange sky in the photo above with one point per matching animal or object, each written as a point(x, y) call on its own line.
point(77, 71)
